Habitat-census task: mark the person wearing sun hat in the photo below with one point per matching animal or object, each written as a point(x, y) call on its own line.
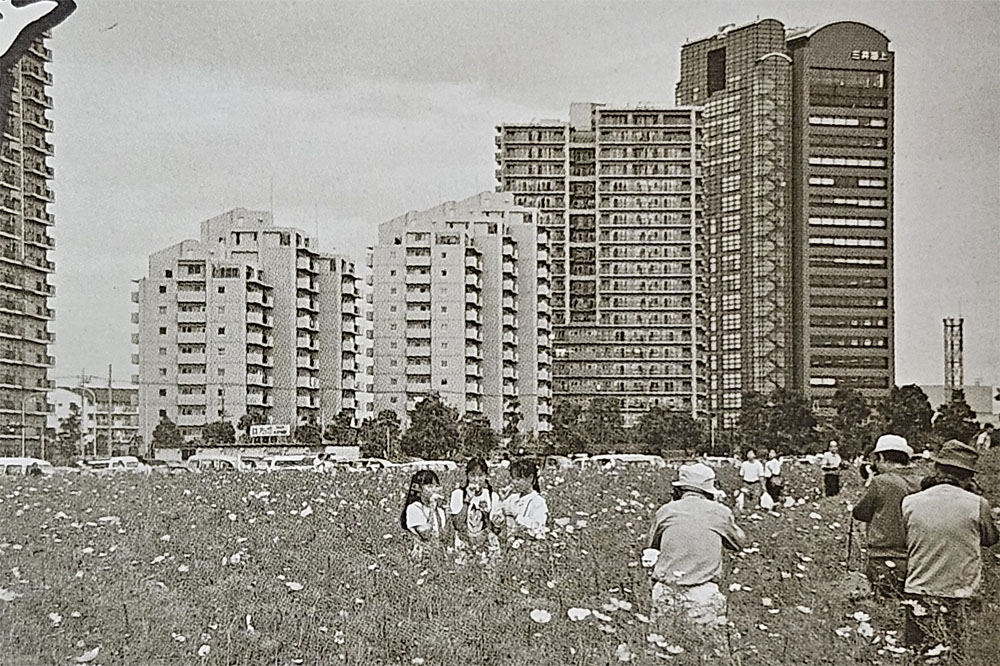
point(690, 533)
point(946, 524)
point(881, 507)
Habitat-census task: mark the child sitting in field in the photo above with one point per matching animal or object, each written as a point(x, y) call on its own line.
point(423, 514)
point(525, 509)
point(476, 511)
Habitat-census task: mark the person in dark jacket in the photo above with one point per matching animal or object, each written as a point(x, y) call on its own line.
point(881, 508)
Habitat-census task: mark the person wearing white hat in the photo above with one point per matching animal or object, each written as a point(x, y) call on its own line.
point(881, 508)
point(690, 533)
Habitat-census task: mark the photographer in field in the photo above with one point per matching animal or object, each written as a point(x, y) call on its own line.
point(881, 507)
point(690, 533)
point(946, 524)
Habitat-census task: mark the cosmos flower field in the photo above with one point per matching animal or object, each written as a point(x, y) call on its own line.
point(303, 568)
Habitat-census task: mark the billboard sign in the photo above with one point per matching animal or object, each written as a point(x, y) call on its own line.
point(271, 430)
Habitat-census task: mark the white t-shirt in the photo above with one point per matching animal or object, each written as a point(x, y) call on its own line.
point(751, 471)
point(772, 468)
point(830, 461)
point(475, 520)
point(528, 512)
point(418, 515)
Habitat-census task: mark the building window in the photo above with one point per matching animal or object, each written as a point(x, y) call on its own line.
point(222, 351)
point(163, 351)
point(163, 393)
point(163, 372)
point(163, 309)
point(222, 289)
point(168, 273)
point(716, 70)
point(222, 330)
point(222, 372)
point(163, 289)
point(163, 330)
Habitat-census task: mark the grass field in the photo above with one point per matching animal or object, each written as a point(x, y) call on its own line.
point(300, 568)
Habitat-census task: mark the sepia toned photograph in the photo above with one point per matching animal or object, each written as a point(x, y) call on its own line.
point(453, 332)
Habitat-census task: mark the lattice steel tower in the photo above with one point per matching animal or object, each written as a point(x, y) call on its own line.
point(954, 367)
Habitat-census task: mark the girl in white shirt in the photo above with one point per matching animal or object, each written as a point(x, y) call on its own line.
point(423, 514)
point(772, 475)
point(525, 508)
point(475, 509)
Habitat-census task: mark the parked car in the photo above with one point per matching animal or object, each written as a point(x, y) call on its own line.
point(22, 466)
point(114, 465)
point(615, 459)
point(360, 464)
point(558, 463)
point(216, 461)
point(433, 465)
point(287, 463)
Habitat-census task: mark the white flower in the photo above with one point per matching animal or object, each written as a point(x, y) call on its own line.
point(623, 653)
point(293, 586)
point(577, 614)
point(601, 616)
point(204, 650)
point(540, 616)
point(56, 618)
point(804, 609)
point(306, 512)
point(861, 616)
point(735, 587)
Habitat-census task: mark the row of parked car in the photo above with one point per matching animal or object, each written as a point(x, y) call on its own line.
point(206, 462)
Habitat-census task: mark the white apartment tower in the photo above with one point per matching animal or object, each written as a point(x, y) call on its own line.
point(461, 309)
point(25, 241)
point(250, 318)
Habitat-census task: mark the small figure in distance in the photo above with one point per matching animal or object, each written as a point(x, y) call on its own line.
point(751, 472)
point(830, 462)
point(773, 482)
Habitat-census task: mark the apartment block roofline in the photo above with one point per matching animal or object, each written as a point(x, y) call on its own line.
point(792, 34)
point(726, 29)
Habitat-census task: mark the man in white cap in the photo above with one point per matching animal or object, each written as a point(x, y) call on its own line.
point(881, 508)
point(947, 523)
point(690, 533)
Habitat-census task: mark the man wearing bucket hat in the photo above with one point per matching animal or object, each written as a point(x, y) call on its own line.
point(690, 533)
point(946, 524)
point(881, 508)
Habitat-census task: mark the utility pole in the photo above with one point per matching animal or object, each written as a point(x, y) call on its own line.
point(109, 410)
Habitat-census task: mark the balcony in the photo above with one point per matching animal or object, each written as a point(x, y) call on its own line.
point(418, 350)
point(418, 260)
point(259, 359)
point(348, 288)
point(257, 318)
point(190, 296)
point(543, 254)
point(473, 298)
point(418, 296)
point(418, 315)
point(543, 291)
point(544, 409)
point(257, 296)
point(256, 399)
point(418, 278)
point(193, 337)
point(197, 358)
point(472, 387)
point(305, 402)
point(190, 378)
point(508, 268)
point(259, 379)
point(306, 382)
point(472, 316)
point(471, 350)
point(473, 370)
point(509, 372)
point(543, 308)
point(307, 362)
point(544, 358)
point(348, 403)
point(305, 303)
point(305, 264)
point(510, 286)
point(306, 284)
point(190, 420)
point(509, 338)
point(510, 355)
point(188, 317)
point(348, 327)
point(471, 405)
point(259, 339)
point(473, 263)
point(509, 321)
point(508, 303)
point(473, 281)
point(306, 342)
point(306, 322)
point(187, 399)
point(543, 273)
point(544, 375)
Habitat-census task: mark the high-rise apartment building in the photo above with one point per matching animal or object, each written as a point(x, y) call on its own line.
point(92, 404)
point(618, 190)
point(251, 318)
point(24, 263)
point(461, 309)
point(798, 208)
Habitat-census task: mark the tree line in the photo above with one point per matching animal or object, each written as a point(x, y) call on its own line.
point(782, 420)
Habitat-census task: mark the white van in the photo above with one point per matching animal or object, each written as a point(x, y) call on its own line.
point(433, 465)
point(287, 463)
point(203, 462)
point(20, 466)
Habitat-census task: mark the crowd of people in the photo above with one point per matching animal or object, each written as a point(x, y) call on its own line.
point(925, 535)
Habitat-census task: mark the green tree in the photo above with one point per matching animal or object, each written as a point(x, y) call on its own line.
point(69, 438)
point(250, 419)
point(219, 433)
point(434, 430)
point(782, 421)
point(478, 438)
point(661, 429)
point(379, 436)
point(341, 431)
point(166, 435)
point(852, 424)
point(308, 432)
point(567, 428)
point(955, 419)
point(604, 426)
point(906, 411)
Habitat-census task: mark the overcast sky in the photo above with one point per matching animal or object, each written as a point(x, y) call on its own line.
point(360, 111)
